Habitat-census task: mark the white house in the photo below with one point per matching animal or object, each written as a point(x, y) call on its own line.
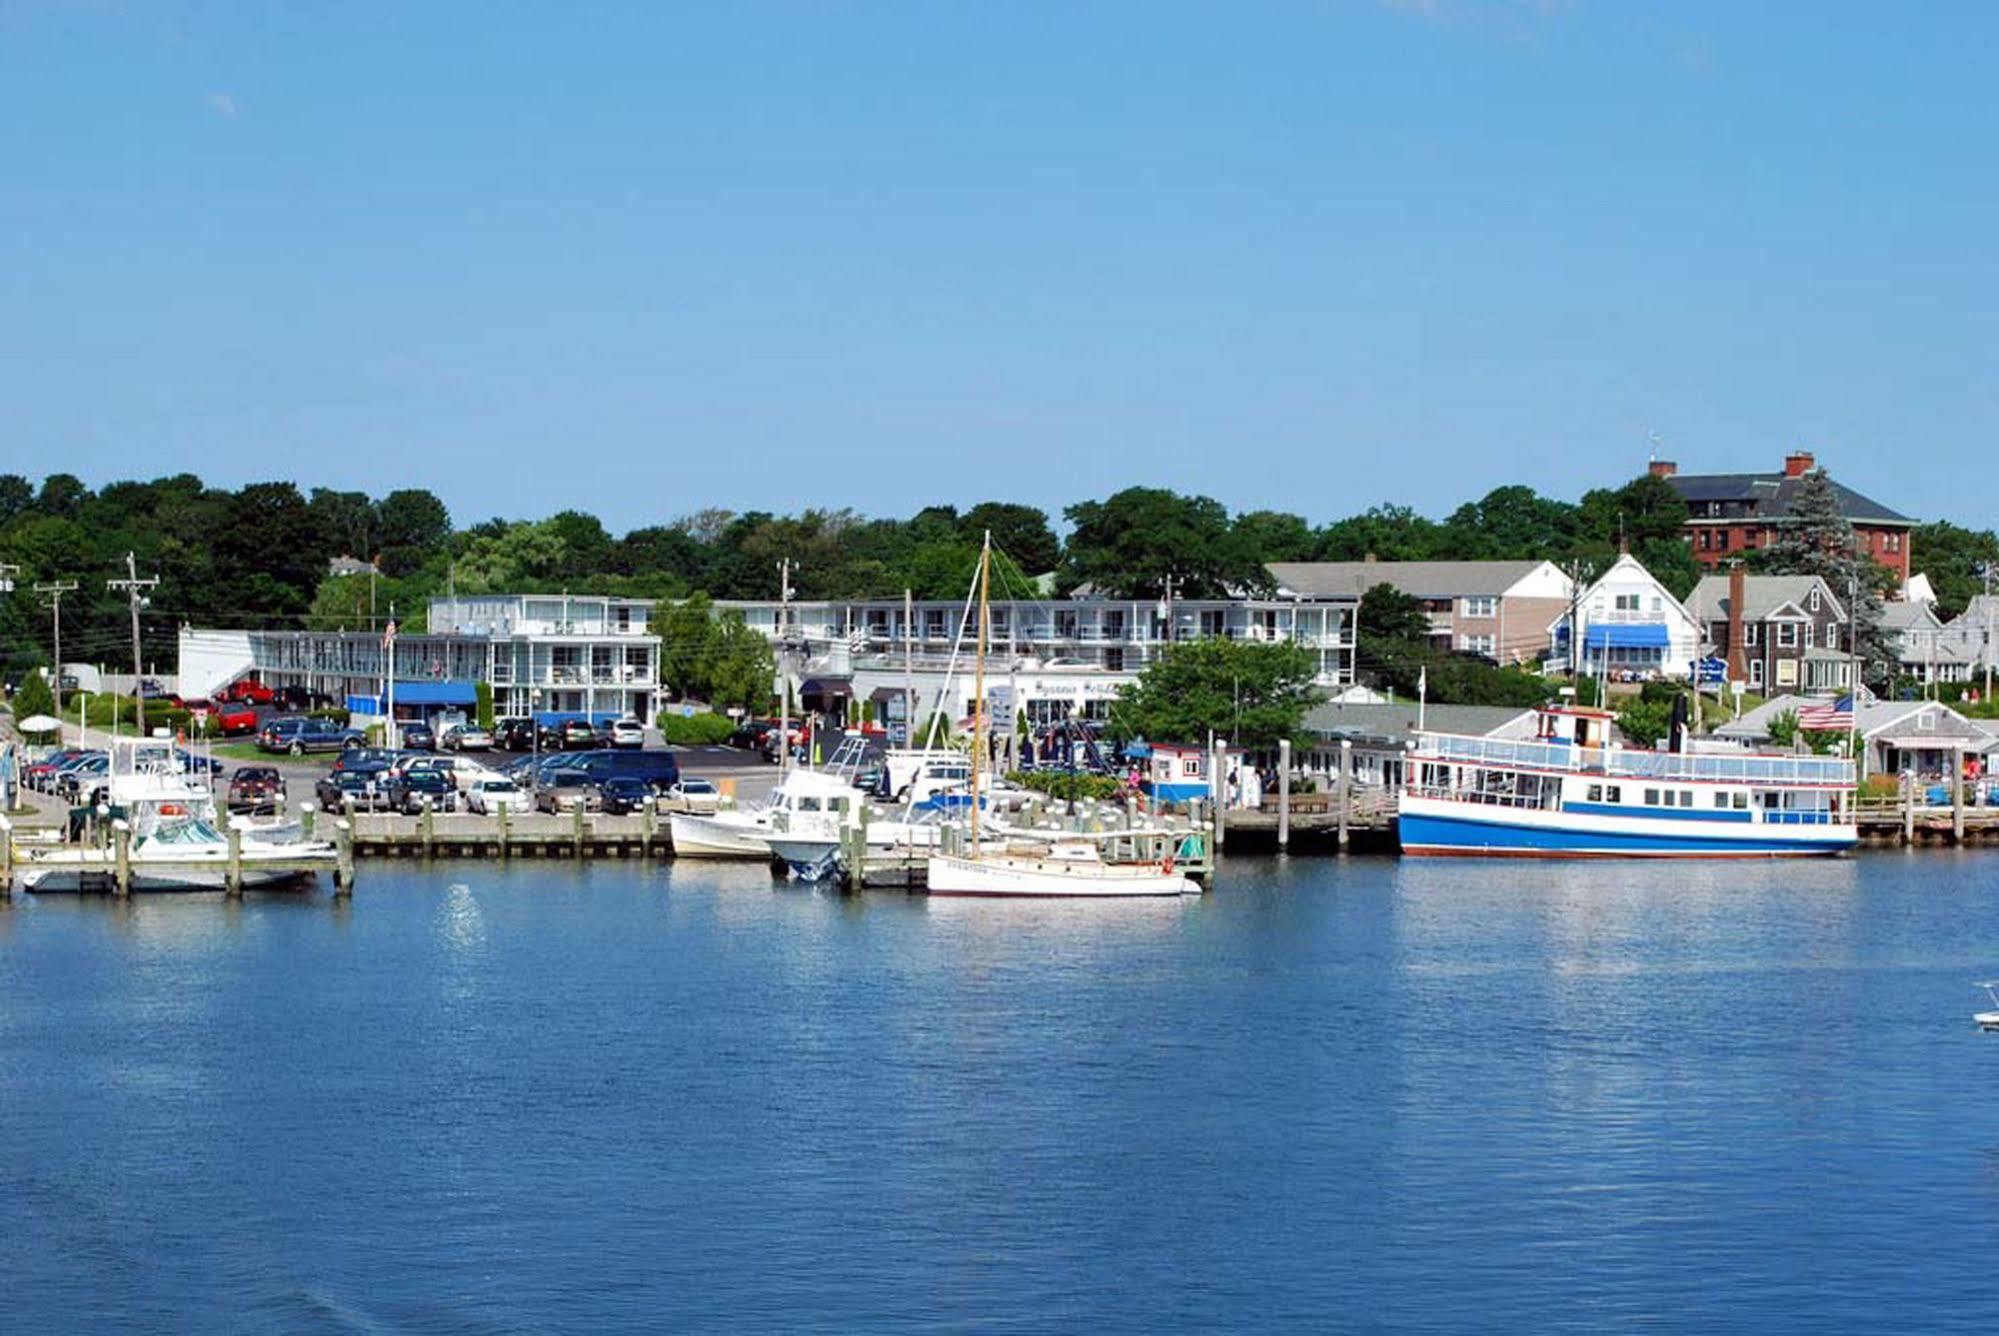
point(1630, 626)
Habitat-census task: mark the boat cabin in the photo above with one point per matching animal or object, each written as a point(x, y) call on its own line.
point(1579, 725)
point(1178, 774)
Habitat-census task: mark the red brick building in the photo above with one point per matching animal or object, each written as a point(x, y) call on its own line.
point(1732, 513)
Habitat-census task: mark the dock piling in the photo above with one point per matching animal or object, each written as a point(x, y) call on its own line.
point(1284, 793)
point(6, 858)
point(121, 840)
point(500, 814)
point(1218, 790)
point(233, 876)
point(343, 863)
point(1344, 797)
point(1957, 796)
point(1908, 807)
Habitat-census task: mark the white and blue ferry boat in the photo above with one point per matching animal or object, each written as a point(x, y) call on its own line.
point(1571, 791)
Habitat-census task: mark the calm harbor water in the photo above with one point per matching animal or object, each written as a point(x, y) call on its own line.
point(1416, 1096)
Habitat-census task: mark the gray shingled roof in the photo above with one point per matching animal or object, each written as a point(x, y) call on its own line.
point(1761, 596)
point(1773, 493)
point(1331, 719)
point(1419, 579)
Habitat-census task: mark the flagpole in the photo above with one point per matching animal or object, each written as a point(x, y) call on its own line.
point(1853, 686)
point(1422, 697)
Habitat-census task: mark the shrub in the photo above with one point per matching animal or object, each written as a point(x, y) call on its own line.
point(336, 714)
point(1062, 784)
point(697, 730)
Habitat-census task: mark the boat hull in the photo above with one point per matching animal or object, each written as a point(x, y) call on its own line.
point(1035, 878)
point(1430, 827)
point(719, 837)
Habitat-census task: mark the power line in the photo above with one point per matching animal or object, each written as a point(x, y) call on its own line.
point(132, 584)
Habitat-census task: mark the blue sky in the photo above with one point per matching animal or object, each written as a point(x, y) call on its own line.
point(646, 258)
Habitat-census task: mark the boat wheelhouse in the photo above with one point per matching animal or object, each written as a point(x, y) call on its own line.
point(1573, 791)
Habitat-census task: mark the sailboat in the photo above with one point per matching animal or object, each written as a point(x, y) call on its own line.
point(1071, 867)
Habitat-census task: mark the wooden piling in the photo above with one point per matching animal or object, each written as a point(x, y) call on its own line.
point(1908, 807)
point(343, 859)
point(501, 814)
point(1284, 793)
point(578, 837)
point(1218, 791)
point(646, 826)
point(121, 840)
point(6, 858)
point(1344, 786)
point(233, 876)
point(307, 812)
point(1957, 796)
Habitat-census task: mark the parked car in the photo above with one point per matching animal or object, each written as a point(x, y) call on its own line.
point(224, 717)
point(628, 733)
point(363, 758)
point(496, 794)
point(151, 690)
point(749, 734)
point(83, 779)
point(694, 796)
point(466, 737)
point(417, 737)
point(299, 735)
point(300, 700)
point(566, 790)
point(351, 791)
point(256, 789)
point(41, 774)
point(249, 691)
point(514, 734)
point(622, 794)
point(418, 789)
point(193, 764)
point(577, 735)
point(659, 769)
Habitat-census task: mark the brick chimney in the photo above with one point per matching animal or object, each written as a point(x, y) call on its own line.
point(1798, 463)
point(1662, 468)
point(1738, 669)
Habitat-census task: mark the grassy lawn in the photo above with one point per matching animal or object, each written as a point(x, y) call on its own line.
point(241, 751)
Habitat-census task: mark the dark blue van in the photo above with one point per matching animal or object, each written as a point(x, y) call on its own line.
point(660, 770)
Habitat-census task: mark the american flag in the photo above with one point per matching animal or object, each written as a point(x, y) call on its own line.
point(1824, 718)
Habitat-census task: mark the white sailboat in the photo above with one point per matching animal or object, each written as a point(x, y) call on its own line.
point(1071, 866)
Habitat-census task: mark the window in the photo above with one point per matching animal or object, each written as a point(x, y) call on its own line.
point(1214, 623)
point(1741, 802)
point(1476, 645)
point(1483, 605)
point(1787, 635)
point(1686, 797)
point(1627, 602)
point(1614, 793)
point(1721, 540)
point(1750, 634)
point(1720, 800)
point(1813, 601)
point(1811, 634)
point(1190, 768)
point(933, 623)
point(1596, 793)
point(1651, 797)
point(1065, 625)
point(1756, 672)
point(1707, 539)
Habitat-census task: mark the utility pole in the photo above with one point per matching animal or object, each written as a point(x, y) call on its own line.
point(909, 670)
point(132, 585)
point(55, 589)
point(783, 678)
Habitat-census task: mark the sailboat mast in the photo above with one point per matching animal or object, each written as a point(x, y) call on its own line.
point(979, 680)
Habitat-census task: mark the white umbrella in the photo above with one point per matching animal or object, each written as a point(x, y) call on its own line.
point(39, 723)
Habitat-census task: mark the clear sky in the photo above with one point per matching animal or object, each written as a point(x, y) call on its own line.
point(650, 257)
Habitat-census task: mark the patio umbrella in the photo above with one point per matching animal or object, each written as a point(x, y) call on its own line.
point(39, 723)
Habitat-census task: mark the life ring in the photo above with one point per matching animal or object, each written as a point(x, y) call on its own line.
point(172, 809)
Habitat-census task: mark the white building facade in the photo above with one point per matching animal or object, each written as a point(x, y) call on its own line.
point(1630, 627)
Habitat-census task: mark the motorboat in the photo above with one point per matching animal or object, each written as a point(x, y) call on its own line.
point(1989, 1020)
point(177, 839)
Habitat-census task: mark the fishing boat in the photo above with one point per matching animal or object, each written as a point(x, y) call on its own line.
point(177, 838)
point(1988, 1021)
point(1573, 791)
point(1067, 867)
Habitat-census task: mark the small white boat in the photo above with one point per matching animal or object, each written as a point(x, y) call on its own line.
point(808, 807)
point(1069, 868)
point(721, 834)
point(1989, 1020)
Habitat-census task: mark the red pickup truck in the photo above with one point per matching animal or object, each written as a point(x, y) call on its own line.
point(224, 717)
point(247, 692)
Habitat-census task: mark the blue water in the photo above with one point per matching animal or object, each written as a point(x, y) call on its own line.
point(1408, 1097)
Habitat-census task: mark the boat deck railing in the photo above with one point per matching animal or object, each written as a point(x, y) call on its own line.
point(1619, 762)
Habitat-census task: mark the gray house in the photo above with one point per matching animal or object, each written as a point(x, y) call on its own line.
point(1923, 736)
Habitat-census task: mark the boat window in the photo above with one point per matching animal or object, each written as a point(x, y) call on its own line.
point(1741, 802)
point(1596, 793)
point(1686, 797)
point(839, 805)
point(1651, 797)
point(808, 804)
point(1614, 793)
point(1720, 798)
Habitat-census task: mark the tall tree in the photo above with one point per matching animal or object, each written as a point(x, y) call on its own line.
point(1252, 692)
point(412, 524)
point(1276, 535)
point(1022, 532)
point(1129, 545)
point(1816, 538)
point(1954, 558)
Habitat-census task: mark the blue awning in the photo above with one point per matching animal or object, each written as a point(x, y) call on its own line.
point(1626, 635)
point(436, 693)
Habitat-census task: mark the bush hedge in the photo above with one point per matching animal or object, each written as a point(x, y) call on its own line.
point(696, 730)
point(1061, 784)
